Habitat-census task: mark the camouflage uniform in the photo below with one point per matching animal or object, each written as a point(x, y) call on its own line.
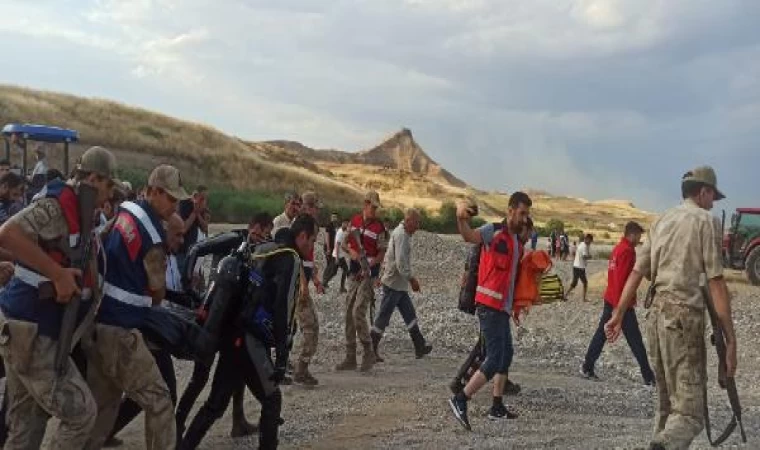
point(306, 314)
point(682, 244)
point(306, 311)
point(119, 359)
point(34, 392)
point(360, 295)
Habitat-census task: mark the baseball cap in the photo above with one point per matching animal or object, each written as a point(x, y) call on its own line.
point(311, 198)
point(706, 175)
point(98, 160)
point(374, 198)
point(169, 179)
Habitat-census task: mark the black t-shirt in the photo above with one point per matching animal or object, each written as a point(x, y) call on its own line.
point(191, 234)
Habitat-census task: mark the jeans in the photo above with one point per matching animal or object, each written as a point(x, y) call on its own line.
point(632, 336)
point(393, 299)
point(494, 326)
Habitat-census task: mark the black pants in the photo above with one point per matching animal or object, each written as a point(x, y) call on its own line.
point(253, 365)
point(579, 274)
point(198, 381)
point(632, 336)
point(129, 409)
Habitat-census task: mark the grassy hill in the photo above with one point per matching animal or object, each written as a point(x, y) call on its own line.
point(246, 176)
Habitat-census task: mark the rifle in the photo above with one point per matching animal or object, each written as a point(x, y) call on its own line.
point(718, 340)
point(363, 261)
point(87, 199)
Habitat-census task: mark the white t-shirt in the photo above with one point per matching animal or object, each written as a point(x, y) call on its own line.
point(582, 250)
point(337, 252)
point(173, 280)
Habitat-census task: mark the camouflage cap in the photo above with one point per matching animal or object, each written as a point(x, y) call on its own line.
point(706, 175)
point(310, 198)
point(97, 160)
point(169, 179)
point(374, 198)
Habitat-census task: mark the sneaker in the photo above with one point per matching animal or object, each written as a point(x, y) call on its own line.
point(588, 374)
point(651, 383)
point(459, 408)
point(498, 412)
point(511, 388)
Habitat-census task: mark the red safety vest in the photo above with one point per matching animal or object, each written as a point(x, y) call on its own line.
point(370, 230)
point(495, 270)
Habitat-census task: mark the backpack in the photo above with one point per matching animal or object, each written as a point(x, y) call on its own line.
point(467, 291)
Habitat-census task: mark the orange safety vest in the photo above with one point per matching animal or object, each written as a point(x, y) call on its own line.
point(496, 270)
point(526, 290)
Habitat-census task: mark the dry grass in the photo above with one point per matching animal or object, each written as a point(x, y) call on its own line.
point(142, 139)
point(219, 159)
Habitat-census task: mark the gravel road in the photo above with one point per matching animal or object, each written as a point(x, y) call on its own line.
point(401, 403)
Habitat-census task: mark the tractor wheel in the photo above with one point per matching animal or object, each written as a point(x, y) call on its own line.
point(752, 266)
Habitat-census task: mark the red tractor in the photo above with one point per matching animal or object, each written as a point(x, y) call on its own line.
point(741, 245)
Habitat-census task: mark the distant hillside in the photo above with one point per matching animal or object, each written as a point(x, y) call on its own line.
point(399, 168)
point(400, 152)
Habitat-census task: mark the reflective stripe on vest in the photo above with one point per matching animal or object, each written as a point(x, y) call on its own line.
point(33, 279)
point(489, 292)
point(117, 293)
point(142, 216)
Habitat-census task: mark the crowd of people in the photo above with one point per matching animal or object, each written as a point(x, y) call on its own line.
point(144, 265)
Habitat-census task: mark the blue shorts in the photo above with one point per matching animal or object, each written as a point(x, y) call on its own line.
point(494, 326)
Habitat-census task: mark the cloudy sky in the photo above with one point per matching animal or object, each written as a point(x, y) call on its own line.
point(596, 98)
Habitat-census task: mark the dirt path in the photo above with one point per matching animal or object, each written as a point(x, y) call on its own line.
point(402, 403)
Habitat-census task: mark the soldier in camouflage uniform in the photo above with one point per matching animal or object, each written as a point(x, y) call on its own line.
point(360, 289)
point(306, 311)
point(683, 244)
point(42, 237)
point(119, 361)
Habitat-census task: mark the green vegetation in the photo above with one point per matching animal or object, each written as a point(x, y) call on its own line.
point(238, 206)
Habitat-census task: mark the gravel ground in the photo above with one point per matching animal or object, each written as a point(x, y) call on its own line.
point(401, 403)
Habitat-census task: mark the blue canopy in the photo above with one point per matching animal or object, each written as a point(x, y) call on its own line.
point(42, 133)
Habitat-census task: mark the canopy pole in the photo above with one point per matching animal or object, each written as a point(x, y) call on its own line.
point(65, 160)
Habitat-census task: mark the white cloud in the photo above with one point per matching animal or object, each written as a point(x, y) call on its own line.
point(544, 83)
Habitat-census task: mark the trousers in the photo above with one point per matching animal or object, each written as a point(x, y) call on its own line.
point(632, 336)
point(250, 361)
point(676, 335)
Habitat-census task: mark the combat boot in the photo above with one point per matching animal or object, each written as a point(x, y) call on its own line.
point(420, 347)
point(368, 358)
point(302, 375)
point(350, 362)
point(375, 336)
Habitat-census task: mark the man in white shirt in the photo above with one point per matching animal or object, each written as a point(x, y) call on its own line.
point(292, 208)
point(339, 257)
point(582, 254)
point(41, 168)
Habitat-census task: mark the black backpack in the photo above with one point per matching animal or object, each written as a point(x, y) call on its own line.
point(467, 292)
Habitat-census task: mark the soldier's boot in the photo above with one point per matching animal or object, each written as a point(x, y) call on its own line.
point(350, 362)
point(421, 348)
point(368, 357)
point(375, 336)
point(302, 375)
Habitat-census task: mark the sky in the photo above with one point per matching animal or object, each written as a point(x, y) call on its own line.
point(589, 98)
